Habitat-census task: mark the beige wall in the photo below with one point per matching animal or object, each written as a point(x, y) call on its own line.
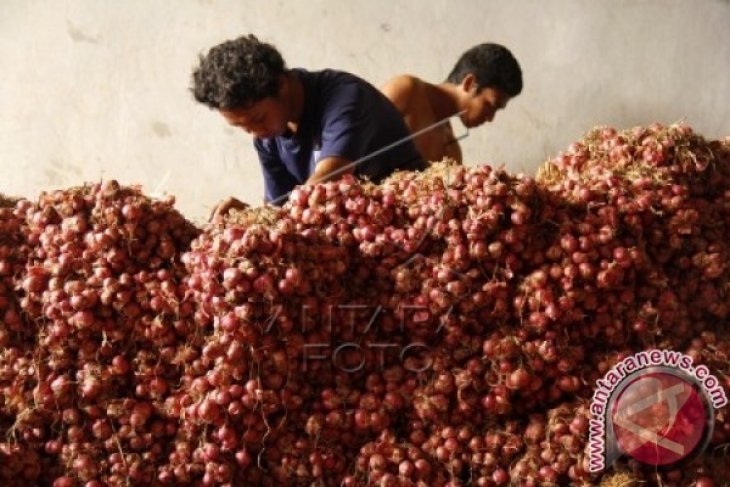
point(94, 89)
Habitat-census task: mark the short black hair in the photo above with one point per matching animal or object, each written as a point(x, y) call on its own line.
point(238, 73)
point(493, 65)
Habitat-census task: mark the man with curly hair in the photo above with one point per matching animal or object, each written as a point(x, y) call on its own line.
point(308, 126)
point(483, 80)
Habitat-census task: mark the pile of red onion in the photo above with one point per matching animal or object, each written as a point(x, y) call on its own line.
point(444, 328)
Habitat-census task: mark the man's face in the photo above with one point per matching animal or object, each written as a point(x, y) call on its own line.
point(482, 106)
point(264, 119)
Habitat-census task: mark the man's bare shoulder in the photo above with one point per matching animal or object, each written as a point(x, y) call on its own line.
point(404, 82)
point(402, 89)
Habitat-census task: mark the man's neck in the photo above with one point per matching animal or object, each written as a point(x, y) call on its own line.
point(296, 101)
point(444, 99)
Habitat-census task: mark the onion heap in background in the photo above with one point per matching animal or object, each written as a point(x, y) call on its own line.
point(443, 328)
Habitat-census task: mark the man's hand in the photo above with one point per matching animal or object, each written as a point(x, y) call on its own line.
point(225, 206)
point(330, 168)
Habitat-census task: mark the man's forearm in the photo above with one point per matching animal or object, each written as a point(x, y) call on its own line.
point(330, 168)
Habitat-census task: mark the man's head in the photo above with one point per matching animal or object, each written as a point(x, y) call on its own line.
point(245, 79)
point(489, 76)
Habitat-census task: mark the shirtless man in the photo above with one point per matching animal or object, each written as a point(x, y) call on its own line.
point(484, 79)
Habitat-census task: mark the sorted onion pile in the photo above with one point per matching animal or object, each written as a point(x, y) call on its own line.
point(445, 328)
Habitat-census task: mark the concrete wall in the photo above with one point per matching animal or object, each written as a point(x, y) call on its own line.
point(96, 89)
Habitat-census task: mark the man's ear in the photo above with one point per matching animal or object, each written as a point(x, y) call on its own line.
point(469, 83)
point(283, 85)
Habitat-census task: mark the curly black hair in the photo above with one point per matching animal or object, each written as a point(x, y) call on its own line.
point(493, 65)
point(238, 73)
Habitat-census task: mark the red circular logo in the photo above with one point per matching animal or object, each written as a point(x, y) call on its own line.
point(659, 418)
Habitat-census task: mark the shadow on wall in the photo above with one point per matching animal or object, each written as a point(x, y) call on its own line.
point(77, 35)
point(161, 129)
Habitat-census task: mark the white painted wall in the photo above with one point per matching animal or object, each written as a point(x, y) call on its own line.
point(94, 89)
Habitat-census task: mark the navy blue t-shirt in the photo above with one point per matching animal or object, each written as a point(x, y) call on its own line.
point(343, 116)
